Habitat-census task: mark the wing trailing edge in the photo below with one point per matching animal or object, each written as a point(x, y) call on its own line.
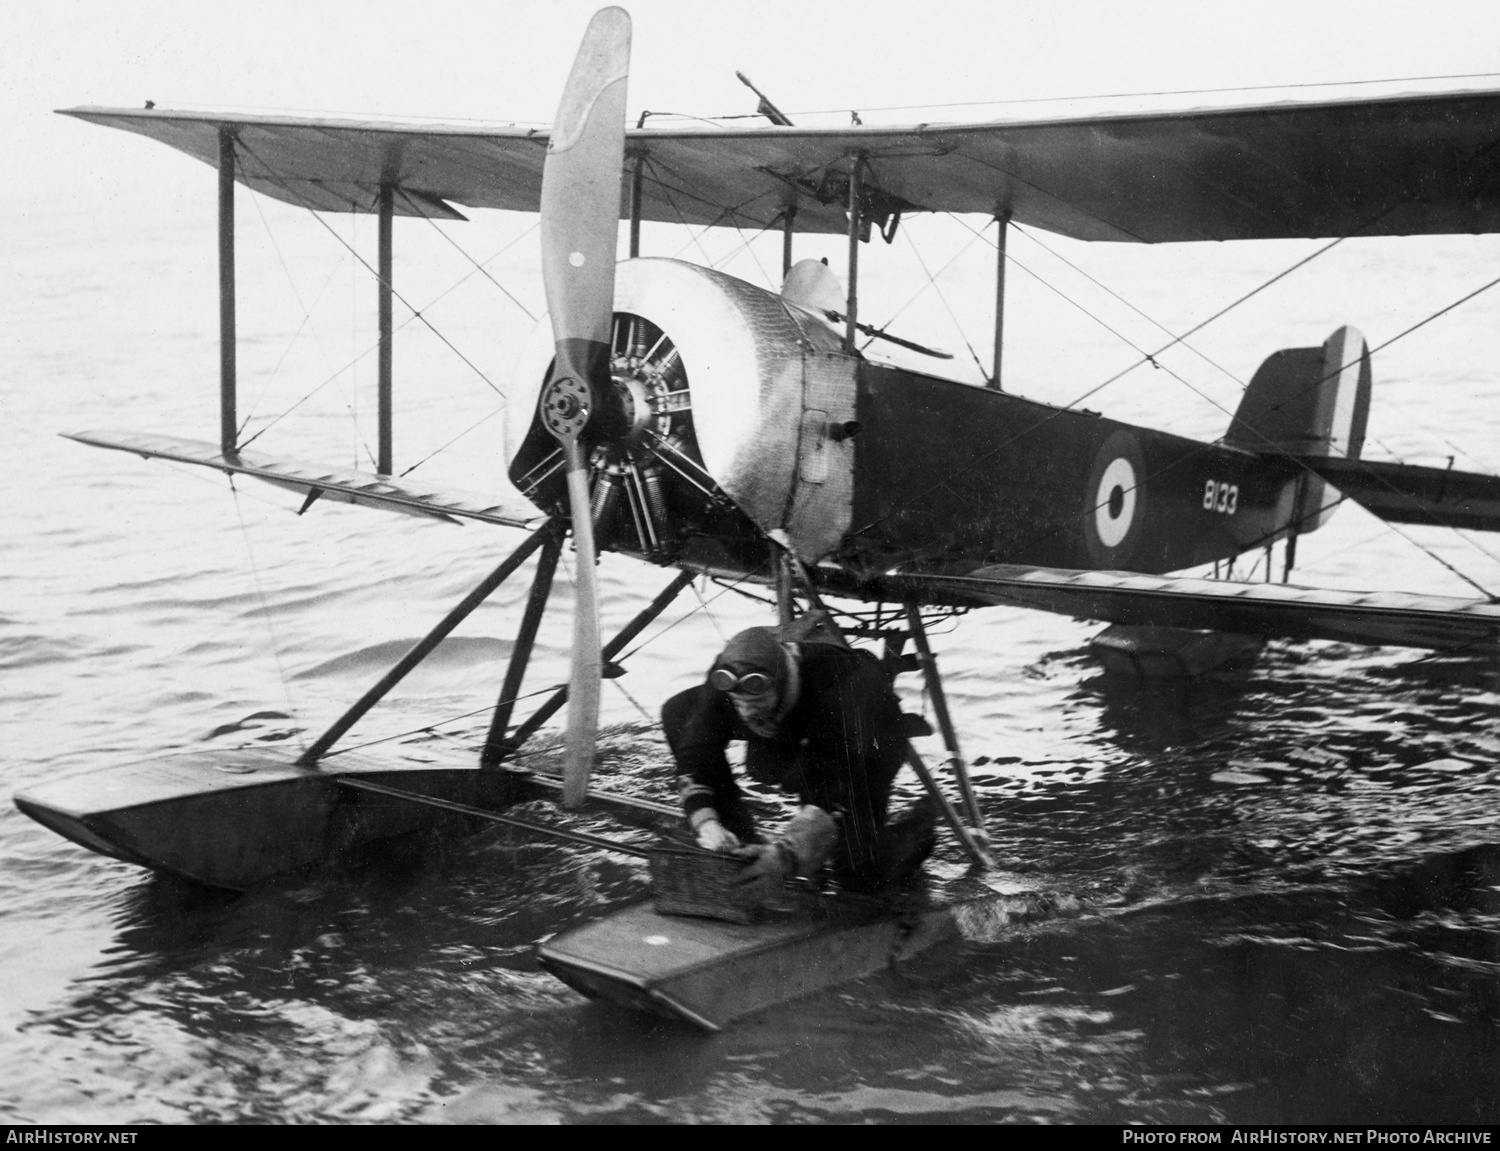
point(317, 481)
point(1395, 619)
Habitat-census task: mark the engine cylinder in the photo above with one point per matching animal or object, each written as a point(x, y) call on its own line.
point(758, 372)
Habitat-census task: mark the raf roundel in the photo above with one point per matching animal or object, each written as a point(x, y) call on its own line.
point(1114, 501)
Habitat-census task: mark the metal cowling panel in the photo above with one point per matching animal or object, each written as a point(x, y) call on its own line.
point(750, 361)
point(823, 494)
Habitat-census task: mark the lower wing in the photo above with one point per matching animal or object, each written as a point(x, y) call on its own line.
point(344, 485)
point(1382, 618)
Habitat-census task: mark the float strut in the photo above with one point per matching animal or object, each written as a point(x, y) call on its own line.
point(610, 650)
point(976, 853)
point(945, 721)
point(781, 565)
point(423, 647)
point(520, 656)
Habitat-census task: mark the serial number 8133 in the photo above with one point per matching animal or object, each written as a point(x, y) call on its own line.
point(1220, 497)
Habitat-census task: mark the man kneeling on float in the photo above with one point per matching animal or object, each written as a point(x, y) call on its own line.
point(819, 720)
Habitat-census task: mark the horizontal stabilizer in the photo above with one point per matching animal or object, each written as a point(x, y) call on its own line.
point(1408, 494)
point(344, 485)
point(1268, 609)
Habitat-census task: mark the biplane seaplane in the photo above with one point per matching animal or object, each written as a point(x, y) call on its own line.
point(700, 424)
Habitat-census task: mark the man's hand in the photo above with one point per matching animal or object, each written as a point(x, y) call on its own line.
point(714, 836)
point(765, 870)
point(711, 834)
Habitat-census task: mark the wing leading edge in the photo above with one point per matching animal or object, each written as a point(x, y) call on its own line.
point(1397, 165)
point(1381, 618)
point(342, 485)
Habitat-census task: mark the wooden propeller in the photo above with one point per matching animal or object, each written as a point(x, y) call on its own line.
point(580, 214)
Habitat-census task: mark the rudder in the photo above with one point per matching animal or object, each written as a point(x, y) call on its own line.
point(1308, 402)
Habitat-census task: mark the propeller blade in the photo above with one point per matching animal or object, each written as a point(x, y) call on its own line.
point(580, 205)
point(580, 214)
point(583, 686)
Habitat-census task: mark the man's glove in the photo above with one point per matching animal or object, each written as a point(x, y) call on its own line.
point(712, 835)
point(766, 868)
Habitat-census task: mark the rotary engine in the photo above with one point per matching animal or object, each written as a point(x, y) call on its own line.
point(728, 394)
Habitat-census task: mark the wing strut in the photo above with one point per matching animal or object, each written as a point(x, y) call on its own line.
point(228, 420)
point(851, 311)
point(1002, 221)
point(383, 378)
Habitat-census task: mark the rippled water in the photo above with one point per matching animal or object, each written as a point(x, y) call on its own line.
point(1279, 891)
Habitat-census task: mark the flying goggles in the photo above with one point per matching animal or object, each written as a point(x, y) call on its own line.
point(751, 683)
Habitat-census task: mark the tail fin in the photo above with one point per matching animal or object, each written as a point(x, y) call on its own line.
point(1308, 402)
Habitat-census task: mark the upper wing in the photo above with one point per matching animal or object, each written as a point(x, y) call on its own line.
point(1393, 618)
point(1399, 165)
point(1409, 494)
point(343, 485)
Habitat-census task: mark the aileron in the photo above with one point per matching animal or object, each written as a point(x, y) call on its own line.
point(338, 484)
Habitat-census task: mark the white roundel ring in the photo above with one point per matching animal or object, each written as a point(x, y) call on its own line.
point(1114, 501)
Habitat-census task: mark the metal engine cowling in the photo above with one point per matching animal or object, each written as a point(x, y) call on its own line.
point(733, 399)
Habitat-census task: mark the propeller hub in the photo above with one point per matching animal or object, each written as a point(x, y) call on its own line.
point(565, 407)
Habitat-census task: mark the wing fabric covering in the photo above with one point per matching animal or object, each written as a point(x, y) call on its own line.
point(343, 485)
point(1409, 494)
point(1395, 165)
point(1380, 618)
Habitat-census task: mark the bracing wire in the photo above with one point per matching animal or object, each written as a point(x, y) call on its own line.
point(375, 346)
point(620, 687)
point(747, 244)
point(432, 728)
point(1150, 357)
point(475, 426)
point(933, 284)
point(416, 312)
point(305, 324)
point(703, 606)
point(462, 251)
point(1176, 339)
point(265, 607)
point(694, 238)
